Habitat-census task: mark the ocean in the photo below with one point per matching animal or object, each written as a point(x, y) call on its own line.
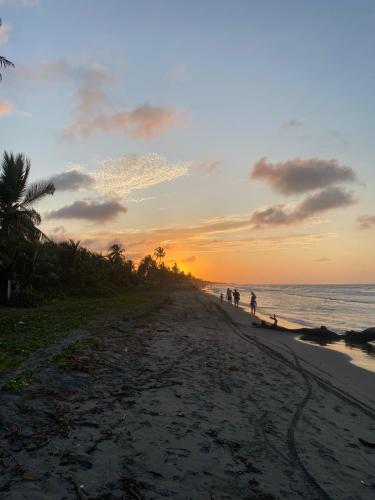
point(338, 307)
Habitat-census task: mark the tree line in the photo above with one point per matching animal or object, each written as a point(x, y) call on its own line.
point(33, 267)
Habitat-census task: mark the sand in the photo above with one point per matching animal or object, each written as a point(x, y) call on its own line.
point(190, 402)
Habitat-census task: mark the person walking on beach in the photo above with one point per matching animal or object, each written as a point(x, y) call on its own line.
point(229, 295)
point(221, 298)
point(236, 296)
point(253, 303)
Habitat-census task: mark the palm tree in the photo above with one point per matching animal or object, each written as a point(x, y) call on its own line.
point(4, 63)
point(116, 253)
point(159, 254)
point(18, 220)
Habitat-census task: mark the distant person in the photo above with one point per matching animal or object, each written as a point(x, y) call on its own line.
point(253, 303)
point(236, 297)
point(229, 295)
point(274, 318)
point(221, 298)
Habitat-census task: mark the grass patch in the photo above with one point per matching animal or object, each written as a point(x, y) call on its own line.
point(19, 382)
point(24, 331)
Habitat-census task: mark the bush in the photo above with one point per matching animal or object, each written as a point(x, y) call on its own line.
point(27, 298)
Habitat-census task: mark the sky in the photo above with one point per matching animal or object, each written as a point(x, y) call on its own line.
point(237, 135)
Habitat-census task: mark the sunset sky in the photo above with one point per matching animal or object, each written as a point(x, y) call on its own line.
point(238, 135)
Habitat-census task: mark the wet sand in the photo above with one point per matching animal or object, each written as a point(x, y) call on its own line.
point(190, 402)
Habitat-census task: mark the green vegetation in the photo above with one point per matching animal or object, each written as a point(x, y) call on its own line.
point(21, 333)
point(19, 382)
point(67, 284)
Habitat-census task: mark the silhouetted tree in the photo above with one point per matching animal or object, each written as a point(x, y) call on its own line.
point(18, 220)
point(159, 253)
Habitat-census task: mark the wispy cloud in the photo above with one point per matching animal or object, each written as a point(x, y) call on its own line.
point(323, 259)
point(89, 210)
point(185, 242)
point(190, 259)
point(119, 176)
point(92, 106)
point(6, 108)
point(291, 123)
point(143, 122)
point(209, 167)
point(140, 200)
point(301, 175)
point(61, 69)
point(366, 221)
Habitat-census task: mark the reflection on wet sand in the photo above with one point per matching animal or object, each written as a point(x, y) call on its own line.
point(362, 355)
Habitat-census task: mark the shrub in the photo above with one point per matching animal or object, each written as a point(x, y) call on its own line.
point(27, 297)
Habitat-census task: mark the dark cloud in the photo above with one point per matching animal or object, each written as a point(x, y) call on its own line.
point(317, 203)
point(366, 221)
point(301, 175)
point(72, 180)
point(89, 210)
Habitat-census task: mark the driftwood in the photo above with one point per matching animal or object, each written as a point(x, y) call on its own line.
point(365, 336)
point(323, 333)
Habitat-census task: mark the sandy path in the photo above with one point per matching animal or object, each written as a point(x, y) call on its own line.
point(189, 403)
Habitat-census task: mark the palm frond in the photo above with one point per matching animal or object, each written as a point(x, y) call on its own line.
point(5, 63)
point(36, 192)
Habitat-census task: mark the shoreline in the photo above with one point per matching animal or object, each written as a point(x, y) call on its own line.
point(189, 400)
point(361, 355)
point(339, 308)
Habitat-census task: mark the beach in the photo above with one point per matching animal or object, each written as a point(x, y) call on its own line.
point(189, 400)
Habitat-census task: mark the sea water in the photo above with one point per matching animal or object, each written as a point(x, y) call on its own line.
point(337, 307)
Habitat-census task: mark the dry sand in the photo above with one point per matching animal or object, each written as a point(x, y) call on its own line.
point(191, 402)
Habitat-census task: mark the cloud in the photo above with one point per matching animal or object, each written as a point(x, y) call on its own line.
point(183, 242)
point(6, 108)
point(119, 176)
point(4, 33)
point(62, 69)
point(178, 73)
point(323, 259)
point(72, 180)
point(89, 210)
point(301, 175)
point(210, 167)
point(292, 123)
point(190, 259)
point(317, 203)
point(140, 200)
point(92, 109)
point(366, 221)
point(143, 122)
point(19, 3)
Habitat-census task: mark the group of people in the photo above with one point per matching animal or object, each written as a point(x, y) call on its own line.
point(235, 296)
